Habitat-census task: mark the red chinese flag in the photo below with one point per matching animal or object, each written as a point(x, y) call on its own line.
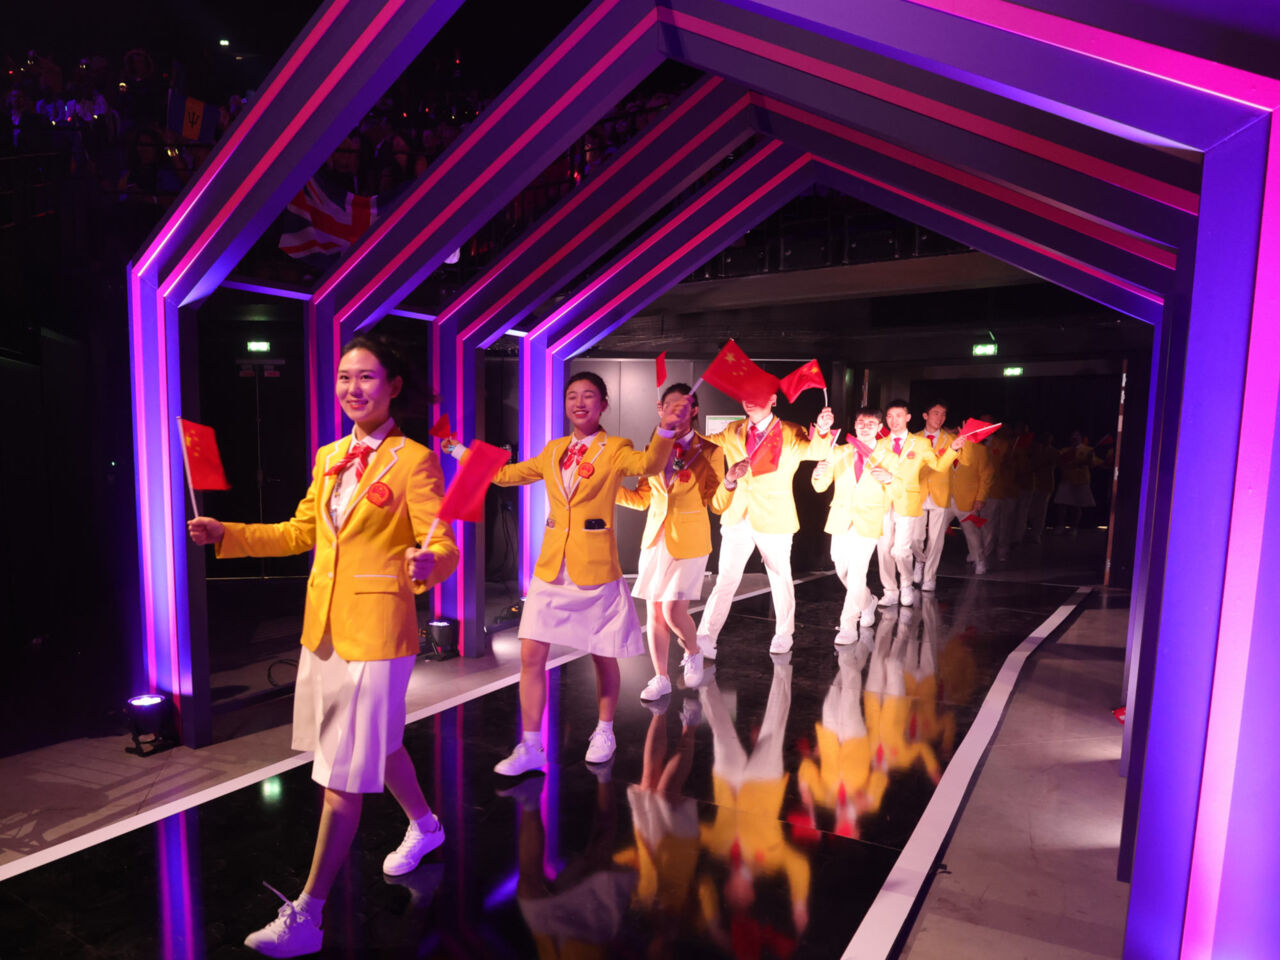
point(442, 429)
point(882, 433)
point(464, 500)
point(733, 374)
point(801, 379)
point(861, 447)
point(976, 520)
point(1107, 441)
point(661, 364)
point(768, 452)
point(204, 465)
point(976, 430)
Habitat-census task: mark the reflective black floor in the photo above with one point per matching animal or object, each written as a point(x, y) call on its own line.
point(757, 817)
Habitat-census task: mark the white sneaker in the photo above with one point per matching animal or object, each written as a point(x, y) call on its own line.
point(917, 574)
point(780, 644)
point(657, 688)
point(415, 845)
point(868, 615)
point(691, 712)
point(600, 746)
point(890, 599)
point(908, 596)
point(979, 568)
point(844, 637)
point(521, 760)
point(691, 664)
point(291, 934)
point(930, 585)
point(707, 647)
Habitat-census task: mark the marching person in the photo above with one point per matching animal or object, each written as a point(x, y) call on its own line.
point(758, 512)
point(856, 517)
point(676, 541)
point(373, 497)
point(577, 596)
point(904, 455)
point(970, 484)
point(929, 528)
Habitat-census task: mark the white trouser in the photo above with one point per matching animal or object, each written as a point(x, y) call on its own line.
point(842, 707)
point(928, 535)
point(894, 550)
point(730, 760)
point(972, 535)
point(736, 543)
point(993, 511)
point(851, 553)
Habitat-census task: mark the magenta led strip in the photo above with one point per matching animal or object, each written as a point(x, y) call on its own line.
point(1001, 133)
point(482, 180)
point(1114, 236)
point(487, 122)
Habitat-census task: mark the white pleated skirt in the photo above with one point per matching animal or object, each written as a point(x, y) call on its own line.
point(663, 577)
point(600, 620)
point(351, 715)
point(1074, 495)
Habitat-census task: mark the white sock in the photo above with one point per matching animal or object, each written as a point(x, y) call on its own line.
point(533, 738)
point(604, 725)
point(428, 824)
point(311, 906)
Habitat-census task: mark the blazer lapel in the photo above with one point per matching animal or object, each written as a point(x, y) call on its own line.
point(593, 451)
point(328, 482)
point(384, 458)
point(559, 474)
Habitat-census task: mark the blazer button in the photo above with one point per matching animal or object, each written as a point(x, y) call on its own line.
point(550, 522)
point(330, 574)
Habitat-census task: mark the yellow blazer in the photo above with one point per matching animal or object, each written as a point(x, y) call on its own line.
point(857, 503)
point(1077, 463)
point(916, 454)
point(934, 483)
point(679, 512)
point(1002, 485)
point(359, 590)
point(971, 479)
point(767, 501)
point(589, 555)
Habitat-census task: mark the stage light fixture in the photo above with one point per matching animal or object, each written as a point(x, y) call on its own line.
point(151, 723)
point(440, 639)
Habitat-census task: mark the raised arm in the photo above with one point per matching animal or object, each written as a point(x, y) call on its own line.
point(637, 499)
point(296, 535)
point(524, 471)
point(712, 479)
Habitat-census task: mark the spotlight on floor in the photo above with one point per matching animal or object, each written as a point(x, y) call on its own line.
point(440, 640)
point(151, 724)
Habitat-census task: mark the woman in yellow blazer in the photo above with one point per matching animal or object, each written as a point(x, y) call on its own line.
point(676, 542)
point(372, 500)
point(577, 596)
point(856, 517)
point(970, 485)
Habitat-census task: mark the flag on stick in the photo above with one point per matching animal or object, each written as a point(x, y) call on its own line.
point(768, 452)
point(442, 428)
point(661, 365)
point(464, 500)
point(976, 520)
point(801, 379)
point(733, 374)
point(200, 450)
point(978, 430)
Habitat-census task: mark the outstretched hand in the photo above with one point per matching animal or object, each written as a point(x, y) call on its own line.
point(205, 530)
point(677, 415)
point(738, 471)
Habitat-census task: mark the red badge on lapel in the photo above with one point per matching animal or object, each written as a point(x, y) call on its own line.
point(684, 476)
point(585, 470)
point(911, 455)
point(379, 494)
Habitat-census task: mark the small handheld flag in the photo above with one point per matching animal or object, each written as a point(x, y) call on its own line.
point(200, 456)
point(464, 500)
point(977, 430)
point(733, 373)
point(661, 368)
point(801, 379)
point(442, 428)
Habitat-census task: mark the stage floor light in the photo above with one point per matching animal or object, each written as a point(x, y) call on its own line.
point(151, 724)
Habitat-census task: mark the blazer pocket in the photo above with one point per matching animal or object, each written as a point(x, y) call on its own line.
point(376, 582)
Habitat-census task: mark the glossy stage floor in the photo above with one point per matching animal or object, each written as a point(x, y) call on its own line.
point(757, 816)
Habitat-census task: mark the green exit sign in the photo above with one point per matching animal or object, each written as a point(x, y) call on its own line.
point(258, 346)
point(1013, 371)
point(984, 349)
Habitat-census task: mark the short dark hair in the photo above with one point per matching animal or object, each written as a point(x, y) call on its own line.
point(681, 388)
point(869, 412)
point(592, 378)
point(388, 353)
point(897, 403)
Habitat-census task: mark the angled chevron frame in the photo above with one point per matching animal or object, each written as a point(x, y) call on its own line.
point(1144, 178)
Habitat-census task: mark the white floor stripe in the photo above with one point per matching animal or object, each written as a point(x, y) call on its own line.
point(879, 929)
point(65, 849)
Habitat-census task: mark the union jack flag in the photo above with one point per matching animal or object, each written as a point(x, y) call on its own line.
point(316, 223)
